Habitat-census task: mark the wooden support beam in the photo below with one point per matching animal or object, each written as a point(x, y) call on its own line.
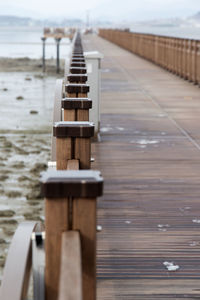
point(83, 187)
point(78, 59)
point(73, 142)
point(78, 64)
point(77, 90)
point(77, 78)
point(76, 109)
point(77, 70)
point(73, 164)
point(70, 285)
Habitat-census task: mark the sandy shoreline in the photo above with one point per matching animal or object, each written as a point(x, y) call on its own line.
point(26, 64)
point(25, 142)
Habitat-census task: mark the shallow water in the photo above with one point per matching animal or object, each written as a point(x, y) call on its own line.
point(189, 32)
point(25, 141)
point(37, 95)
point(18, 42)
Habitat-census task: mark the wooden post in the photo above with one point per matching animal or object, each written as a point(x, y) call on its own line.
point(78, 64)
point(73, 142)
point(80, 90)
point(198, 64)
point(78, 70)
point(77, 78)
point(43, 54)
point(78, 59)
point(58, 55)
point(83, 187)
point(76, 109)
point(71, 267)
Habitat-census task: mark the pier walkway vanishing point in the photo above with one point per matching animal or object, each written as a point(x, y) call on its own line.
point(149, 156)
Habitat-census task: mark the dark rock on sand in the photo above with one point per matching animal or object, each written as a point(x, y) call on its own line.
point(20, 98)
point(33, 112)
point(3, 177)
point(34, 194)
point(7, 144)
point(8, 221)
point(38, 167)
point(7, 213)
point(24, 178)
point(18, 165)
point(13, 194)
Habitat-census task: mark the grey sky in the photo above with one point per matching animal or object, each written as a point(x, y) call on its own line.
point(106, 9)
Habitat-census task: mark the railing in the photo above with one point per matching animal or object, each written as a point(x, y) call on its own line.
point(70, 192)
point(177, 55)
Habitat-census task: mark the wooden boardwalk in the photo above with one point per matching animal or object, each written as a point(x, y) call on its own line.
point(149, 155)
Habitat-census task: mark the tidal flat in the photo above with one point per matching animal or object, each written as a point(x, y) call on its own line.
point(26, 108)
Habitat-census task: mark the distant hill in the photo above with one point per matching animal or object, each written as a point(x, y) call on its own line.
point(13, 20)
point(20, 21)
point(196, 17)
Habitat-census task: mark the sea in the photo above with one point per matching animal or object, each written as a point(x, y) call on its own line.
point(17, 42)
point(190, 32)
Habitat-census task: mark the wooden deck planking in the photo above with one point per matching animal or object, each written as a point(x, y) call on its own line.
point(149, 156)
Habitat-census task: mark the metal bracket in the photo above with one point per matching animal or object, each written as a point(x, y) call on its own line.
point(38, 265)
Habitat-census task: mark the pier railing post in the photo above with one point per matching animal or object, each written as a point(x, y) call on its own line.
point(73, 141)
point(177, 55)
point(58, 54)
point(43, 54)
point(80, 188)
point(77, 90)
point(76, 109)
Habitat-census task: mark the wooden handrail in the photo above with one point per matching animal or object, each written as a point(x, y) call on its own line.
point(70, 286)
point(18, 264)
point(177, 55)
point(70, 195)
point(73, 164)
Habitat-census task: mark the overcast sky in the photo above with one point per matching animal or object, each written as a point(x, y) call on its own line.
point(107, 9)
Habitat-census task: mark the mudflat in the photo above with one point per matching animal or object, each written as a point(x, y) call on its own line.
point(26, 105)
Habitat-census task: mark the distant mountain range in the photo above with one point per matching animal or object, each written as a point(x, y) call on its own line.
point(20, 21)
point(193, 21)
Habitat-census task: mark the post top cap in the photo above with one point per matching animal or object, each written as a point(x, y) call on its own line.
point(78, 70)
point(73, 129)
point(73, 183)
point(76, 103)
point(77, 88)
point(77, 78)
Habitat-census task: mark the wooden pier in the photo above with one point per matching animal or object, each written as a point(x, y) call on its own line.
point(147, 223)
point(149, 156)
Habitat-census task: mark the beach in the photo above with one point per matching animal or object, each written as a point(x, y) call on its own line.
point(26, 101)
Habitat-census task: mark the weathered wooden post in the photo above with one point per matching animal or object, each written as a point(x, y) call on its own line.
point(73, 141)
point(78, 64)
point(78, 59)
point(58, 55)
point(77, 90)
point(78, 70)
point(77, 78)
point(198, 64)
point(43, 54)
point(194, 62)
point(76, 109)
point(80, 188)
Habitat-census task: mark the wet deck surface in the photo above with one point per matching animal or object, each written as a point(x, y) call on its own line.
point(149, 156)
